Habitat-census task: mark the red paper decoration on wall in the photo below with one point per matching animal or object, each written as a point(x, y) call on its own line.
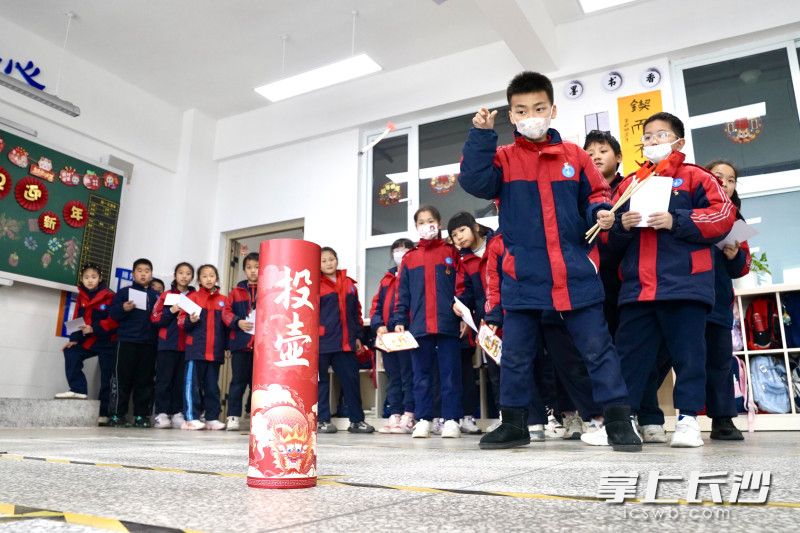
point(49, 222)
point(75, 214)
point(31, 193)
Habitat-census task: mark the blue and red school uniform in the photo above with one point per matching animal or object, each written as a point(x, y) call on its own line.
point(240, 303)
point(550, 194)
point(93, 306)
point(425, 307)
point(170, 357)
point(205, 352)
point(340, 325)
point(400, 388)
point(135, 356)
point(668, 284)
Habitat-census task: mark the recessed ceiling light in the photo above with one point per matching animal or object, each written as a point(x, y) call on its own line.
point(341, 71)
point(589, 6)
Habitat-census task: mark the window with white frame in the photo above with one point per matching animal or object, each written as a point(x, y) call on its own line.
point(430, 153)
point(743, 107)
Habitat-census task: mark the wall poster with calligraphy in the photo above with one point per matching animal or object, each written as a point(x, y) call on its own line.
point(57, 211)
point(634, 109)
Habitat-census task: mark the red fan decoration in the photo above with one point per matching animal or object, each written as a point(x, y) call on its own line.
point(30, 193)
point(443, 184)
point(75, 214)
point(49, 222)
point(5, 182)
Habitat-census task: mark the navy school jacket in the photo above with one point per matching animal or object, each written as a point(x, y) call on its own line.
point(427, 285)
point(340, 322)
point(469, 285)
point(94, 306)
point(134, 325)
point(205, 339)
point(240, 302)
point(675, 264)
point(380, 312)
point(726, 270)
point(550, 193)
point(171, 336)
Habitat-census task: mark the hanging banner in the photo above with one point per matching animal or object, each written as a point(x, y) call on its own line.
point(634, 109)
point(283, 427)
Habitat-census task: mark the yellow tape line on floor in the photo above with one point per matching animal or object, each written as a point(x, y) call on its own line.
point(331, 480)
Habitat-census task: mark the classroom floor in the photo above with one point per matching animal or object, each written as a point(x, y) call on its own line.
point(152, 479)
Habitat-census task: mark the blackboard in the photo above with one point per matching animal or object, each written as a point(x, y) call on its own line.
point(57, 212)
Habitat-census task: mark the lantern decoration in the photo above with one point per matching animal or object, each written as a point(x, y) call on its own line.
point(443, 184)
point(744, 130)
point(389, 194)
point(30, 193)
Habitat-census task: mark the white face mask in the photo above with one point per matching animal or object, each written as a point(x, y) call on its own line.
point(428, 232)
point(658, 152)
point(534, 127)
point(398, 255)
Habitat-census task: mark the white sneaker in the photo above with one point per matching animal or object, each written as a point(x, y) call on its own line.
point(554, 429)
point(162, 421)
point(451, 430)
point(215, 425)
point(193, 425)
point(687, 433)
point(422, 430)
point(596, 437)
point(573, 427)
point(469, 426)
point(232, 423)
point(536, 432)
point(436, 427)
point(391, 422)
point(69, 395)
point(653, 433)
point(495, 425)
point(405, 426)
point(178, 420)
point(591, 426)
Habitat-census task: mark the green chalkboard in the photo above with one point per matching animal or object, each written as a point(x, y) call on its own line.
point(57, 211)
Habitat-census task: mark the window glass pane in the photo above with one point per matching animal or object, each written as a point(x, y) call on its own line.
point(390, 198)
point(440, 144)
point(379, 260)
point(761, 139)
point(779, 232)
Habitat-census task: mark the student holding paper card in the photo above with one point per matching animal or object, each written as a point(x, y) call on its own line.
point(240, 303)
point(97, 337)
point(471, 239)
point(550, 193)
point(340, 336)
point(668, 276)
point(170, 360)
point(425, 306)
point(205, 351)
point(400, 389)
point(135, 358)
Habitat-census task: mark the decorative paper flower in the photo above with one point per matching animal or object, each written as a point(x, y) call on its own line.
point(9, 227)
point(55, 244)
point(30, 243)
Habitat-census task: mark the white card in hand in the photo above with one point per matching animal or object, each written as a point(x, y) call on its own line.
point(652, 197)
point(171, 299)
point(741, 231)
point(139, 298)
point(251, 318)
point(466, 314)
point(74, 325)
point(189, 306)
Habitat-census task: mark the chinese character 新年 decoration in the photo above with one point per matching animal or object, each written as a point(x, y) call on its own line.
point(49, 222)
point(31, 194)
point(75, 214)
point(285, 366)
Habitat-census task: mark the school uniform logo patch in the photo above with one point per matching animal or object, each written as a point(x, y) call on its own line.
point(103, 307)
point(677, 182)
point(568, 171)
point(222, 304)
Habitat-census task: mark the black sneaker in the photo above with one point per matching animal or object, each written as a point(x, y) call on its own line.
point(141, 422)
point(117, 422)
point(326, 427)
point(620, 429)
point(360, 427)
point(723, 429)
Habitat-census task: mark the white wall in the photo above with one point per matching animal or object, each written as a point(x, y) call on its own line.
point(316, 180)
